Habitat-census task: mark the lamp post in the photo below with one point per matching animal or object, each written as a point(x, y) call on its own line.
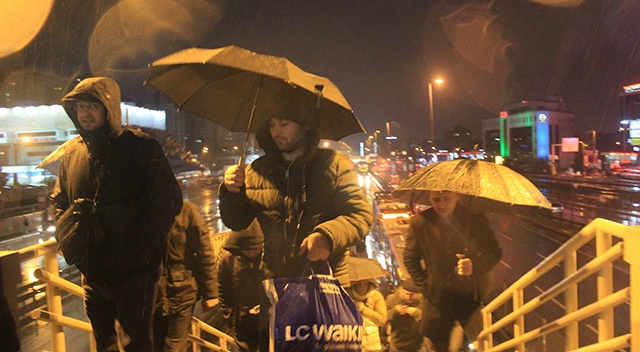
point(388, 137)
point(437, 81)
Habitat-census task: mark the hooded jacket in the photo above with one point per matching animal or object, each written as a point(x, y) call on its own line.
point(317, 192)
point(138, 195)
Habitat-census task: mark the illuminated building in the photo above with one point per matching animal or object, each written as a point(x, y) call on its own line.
point(630, 116)
point(532, 129)
point(28, 134)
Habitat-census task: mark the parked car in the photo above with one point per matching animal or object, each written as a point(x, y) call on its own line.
point(556, 206)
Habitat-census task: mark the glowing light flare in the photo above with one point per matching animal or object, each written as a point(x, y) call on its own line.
point(20, 22)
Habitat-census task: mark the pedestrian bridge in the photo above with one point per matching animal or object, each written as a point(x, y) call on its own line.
point(514, 321)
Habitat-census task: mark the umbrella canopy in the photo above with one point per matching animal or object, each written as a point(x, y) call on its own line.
point(365, 269)
point(179, 157)
point(232, 85)
point(490, 186)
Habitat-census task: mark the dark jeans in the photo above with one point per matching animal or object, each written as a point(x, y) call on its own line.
point(438, 320)
point(263, 324)
point(127, 298)
point(170, 331)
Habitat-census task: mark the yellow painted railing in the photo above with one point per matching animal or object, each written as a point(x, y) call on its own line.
point(49, 275)
point(613, 243)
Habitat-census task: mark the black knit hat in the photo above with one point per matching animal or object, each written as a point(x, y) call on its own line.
point(411, 286)
point(291, 104)
point(244, 240)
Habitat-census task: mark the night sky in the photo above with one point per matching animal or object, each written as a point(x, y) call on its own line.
point(381, 54)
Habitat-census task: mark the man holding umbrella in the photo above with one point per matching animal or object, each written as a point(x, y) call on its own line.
point(307, 200)
point(458, 249)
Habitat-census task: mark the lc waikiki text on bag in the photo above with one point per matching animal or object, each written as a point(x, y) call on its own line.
point(312, 313)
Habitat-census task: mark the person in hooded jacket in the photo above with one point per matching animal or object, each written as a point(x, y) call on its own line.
point(307, 200)
point(189, 272)
point(240, 280)
point(136, 197)
point(449, 254)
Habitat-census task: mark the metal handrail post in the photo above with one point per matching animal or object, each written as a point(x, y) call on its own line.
point(604, 287)
point(572, 340)
point(54, 301)
point(487, 320)
point(196, 332)
point(631, 249)
point(518, 323)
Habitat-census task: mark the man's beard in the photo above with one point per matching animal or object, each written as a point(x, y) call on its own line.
point(291, 147)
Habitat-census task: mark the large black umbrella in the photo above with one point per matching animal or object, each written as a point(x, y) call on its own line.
point(234, 87)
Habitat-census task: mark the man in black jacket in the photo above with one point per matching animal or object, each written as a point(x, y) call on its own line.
point(307, 200)
point(137, 197)
point(450, 253)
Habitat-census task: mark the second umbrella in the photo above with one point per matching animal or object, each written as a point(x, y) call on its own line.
point(365, 269)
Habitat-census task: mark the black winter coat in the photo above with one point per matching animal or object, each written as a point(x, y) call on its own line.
point(138, 193)
point(435, 243)
point(190, 268)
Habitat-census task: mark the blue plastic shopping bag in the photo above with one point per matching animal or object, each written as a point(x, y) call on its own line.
point(312, 313)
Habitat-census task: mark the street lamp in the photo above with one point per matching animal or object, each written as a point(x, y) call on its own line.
point(437, 81)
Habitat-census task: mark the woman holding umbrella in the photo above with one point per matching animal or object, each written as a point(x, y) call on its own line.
point(459, 250)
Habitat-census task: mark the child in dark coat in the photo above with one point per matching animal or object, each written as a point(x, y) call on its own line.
point(240, 283)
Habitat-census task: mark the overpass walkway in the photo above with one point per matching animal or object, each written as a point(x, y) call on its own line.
point(60, 323)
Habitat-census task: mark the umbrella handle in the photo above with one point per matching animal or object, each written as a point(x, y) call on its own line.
point(320, 95)
point(253, 110)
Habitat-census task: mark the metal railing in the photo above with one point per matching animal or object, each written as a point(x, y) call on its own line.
point(613, 241)
point(56, 286)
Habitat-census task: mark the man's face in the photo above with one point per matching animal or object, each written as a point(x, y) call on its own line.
point(409, 296)
point(288, 135)
point(444, 203)
point(91, 115)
